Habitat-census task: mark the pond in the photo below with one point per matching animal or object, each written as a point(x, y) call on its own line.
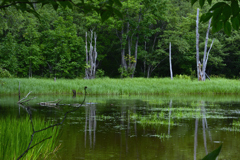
point(141, 127)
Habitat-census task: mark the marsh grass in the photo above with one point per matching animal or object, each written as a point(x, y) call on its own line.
point(15, 135)
point(127, 86)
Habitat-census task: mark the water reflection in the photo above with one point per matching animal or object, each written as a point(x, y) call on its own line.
point(145, 128)
point(90, 125)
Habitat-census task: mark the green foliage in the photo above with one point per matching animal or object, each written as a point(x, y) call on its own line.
point(100, 73)
point(125, 72)
point(105, 9)
point(183, 76)
point(54, 46)
point(126, 86)
point(213, 155)
point(14, 140)
point(222, 13)
point(193, 74)
point(4, 73)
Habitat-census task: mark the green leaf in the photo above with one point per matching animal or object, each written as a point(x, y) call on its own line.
point(213, 155)
point(235, 8)
point(217, 26)
point(209, 2)
point(217, 5)
point(235, 22)
point(118, 3)
point(201, 3)
point(105, 15)
point(206, 17)
point(227, 28)
point(226, 12)
point(54, 4)
point(118, 13)
point(217, 15)
point(193, 1)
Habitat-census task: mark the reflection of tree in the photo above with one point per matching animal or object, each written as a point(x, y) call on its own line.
point(90, 124)
point(204, 126)
point(28, 109)
point(169, 117)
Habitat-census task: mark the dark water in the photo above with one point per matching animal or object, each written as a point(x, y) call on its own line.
point(144, 128)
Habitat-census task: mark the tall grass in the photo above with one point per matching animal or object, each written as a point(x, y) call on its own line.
point(127, 86)
point(15, 135)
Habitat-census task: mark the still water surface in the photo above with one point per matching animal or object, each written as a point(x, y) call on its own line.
point(144, 128)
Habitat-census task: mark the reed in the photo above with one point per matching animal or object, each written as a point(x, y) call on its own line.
point(127, 86)
point(15, 135)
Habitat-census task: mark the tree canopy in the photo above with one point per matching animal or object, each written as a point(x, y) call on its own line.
point(138, 38)
point(104, 8)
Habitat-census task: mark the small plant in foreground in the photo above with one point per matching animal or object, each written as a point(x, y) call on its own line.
point(15, 139)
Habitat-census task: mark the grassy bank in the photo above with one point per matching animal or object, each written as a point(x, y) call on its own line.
point(128, 86)
point(15, 139)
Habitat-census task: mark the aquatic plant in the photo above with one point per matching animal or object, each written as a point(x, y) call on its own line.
point(15, 134)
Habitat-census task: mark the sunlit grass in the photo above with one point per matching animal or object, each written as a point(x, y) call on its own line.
point(15, 135)
point(128, 86)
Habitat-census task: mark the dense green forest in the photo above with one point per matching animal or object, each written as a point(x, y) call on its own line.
point(137, 44)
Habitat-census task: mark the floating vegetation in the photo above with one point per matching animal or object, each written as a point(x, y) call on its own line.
point(149, 121)
point(161, 136)
point(234, 128)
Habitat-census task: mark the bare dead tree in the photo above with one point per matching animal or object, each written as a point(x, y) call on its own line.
point(201, 68)
point(91, 55)
point(170, 61)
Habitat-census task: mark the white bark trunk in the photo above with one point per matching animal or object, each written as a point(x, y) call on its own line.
point(201, 69)
point(170, 61)
point(86, 69)
point(91, 56)
point(136, 45)
point(205, 52)
point(197, 43)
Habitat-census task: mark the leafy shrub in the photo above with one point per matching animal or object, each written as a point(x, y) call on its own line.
point(125, 72)
point(183, 76)
point(4, 73)
point(100, 73)
point(193, 74)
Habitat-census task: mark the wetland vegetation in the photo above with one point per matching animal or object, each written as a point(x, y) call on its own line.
point(127, 86)
point(149, 127)
point(15, 135)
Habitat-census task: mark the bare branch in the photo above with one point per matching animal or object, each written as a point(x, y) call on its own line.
point(24, 98)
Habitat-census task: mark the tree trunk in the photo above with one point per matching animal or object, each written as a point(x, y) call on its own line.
point(91, 56)
point(144, 62)
point(205, 51)
point(86, 69)
point(149, 71)
point(197, 43)
point(30, 69)
point(201, 68)
point(95, 55)
point(129, 45)
point(136, 44)
point(170, 61)
point(135, 56)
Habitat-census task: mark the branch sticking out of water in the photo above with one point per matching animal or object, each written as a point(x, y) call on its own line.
point(21, 100)
point(51, 126)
